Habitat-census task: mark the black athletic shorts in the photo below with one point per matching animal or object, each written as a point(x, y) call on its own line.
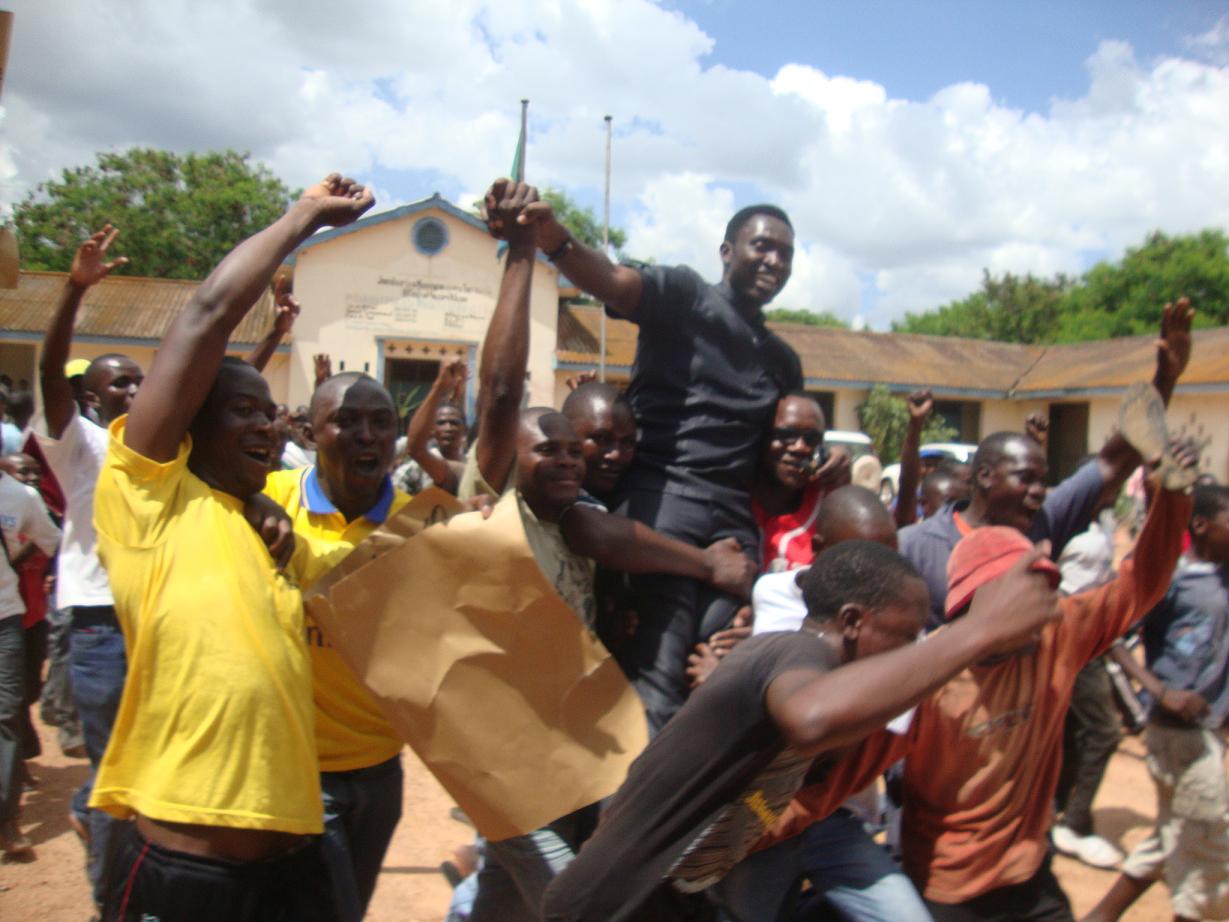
point(149, 883)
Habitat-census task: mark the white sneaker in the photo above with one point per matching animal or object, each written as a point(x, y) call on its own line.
point(1093, 850)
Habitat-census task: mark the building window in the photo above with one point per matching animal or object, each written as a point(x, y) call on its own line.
point(430, 235)
point(962, 415)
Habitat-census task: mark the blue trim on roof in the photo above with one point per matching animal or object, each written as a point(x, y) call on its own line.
point(896, 387)
point(27, 336)
point(1216, 387)
point(590, 366)
point(395, 214)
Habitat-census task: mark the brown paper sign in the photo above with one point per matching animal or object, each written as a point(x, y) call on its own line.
point(515, 707)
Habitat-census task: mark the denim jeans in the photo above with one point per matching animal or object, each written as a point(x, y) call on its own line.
point(516, 872)
point(857, 876)
point(56, 705)
point(845, 866)
point(97, 667)
point(361, 811)
point(12, 704)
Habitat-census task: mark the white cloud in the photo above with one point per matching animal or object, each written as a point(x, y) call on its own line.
point(898, 203)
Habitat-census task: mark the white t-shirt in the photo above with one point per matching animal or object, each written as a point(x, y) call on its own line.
point(777, 602)
point(24, 519)
point(76, 458)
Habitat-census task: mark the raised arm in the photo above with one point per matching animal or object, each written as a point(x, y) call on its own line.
point(447, 386)
point(286, 311)
point(619, 543)
point(848, 703)
point(188, 359)
point(920, 404)
point(1117, 458)
point(591, 270)
point(505, 348)
point(89, 267)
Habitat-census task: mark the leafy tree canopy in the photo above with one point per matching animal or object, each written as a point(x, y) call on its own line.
point(885, 418)
point(179, 215)
point(802, 315)
point(582, 222)
point(1110, 299)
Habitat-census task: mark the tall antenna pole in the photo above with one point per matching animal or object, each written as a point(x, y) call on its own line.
point(601, 362)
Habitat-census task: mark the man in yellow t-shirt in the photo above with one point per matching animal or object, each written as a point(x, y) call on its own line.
point(334, 505)
point(213, 752)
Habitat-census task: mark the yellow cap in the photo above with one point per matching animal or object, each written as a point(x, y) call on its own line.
point(74, 367)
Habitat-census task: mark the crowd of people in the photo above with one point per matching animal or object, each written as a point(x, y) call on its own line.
point(796, 645)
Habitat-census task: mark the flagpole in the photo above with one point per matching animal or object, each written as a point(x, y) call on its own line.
point(518, 166)
point(601, 364)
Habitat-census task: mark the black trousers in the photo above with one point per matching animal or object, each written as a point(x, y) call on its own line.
point(147, 882)
point(1038, 899)
point(675, 613)
point(1090, 736)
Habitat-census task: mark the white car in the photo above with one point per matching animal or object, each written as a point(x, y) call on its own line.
point(890, 484)
point(856, 443)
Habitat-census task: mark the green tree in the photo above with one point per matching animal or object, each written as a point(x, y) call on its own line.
point(1126, 298)
point(1121, 298)
point(178, 214)
point(884, 417)
point(802, 315)
point(582, 222)
point(1008, 308)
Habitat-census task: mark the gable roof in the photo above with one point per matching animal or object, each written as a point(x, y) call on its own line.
point(948, 365)
point(435, 200)
point(120, 307)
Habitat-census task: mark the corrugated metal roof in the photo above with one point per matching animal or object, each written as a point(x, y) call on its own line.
point(904, 360)
point(1116, 363)
point(118, 307)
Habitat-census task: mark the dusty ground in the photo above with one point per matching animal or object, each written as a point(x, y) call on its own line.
point(51, 888)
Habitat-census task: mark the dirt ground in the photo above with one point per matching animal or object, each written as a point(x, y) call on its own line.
point(51, 887)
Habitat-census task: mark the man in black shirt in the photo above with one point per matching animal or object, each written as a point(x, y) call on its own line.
point(707, 377)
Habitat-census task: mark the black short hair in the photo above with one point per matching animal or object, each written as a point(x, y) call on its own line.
point(993, 448)
point(580, 402)
point(743, 215)
point(1210, 500)
point(863, 572)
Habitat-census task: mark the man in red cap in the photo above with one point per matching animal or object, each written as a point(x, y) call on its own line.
point(984, 751)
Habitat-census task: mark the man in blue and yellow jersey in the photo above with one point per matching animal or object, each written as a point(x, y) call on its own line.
point(334, 505)
point(213, 750)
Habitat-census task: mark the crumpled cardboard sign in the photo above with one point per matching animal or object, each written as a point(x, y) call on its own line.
point(515, 707)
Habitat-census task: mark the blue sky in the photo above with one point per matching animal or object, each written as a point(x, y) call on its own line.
point(914, 144)
point(1026, 51)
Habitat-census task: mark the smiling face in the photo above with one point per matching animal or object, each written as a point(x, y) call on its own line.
point(23, 468)
point(797, 431)
point(550, 463)
point(354, 427)
point(1014, 485)
point(232, 436)
point(759, 259)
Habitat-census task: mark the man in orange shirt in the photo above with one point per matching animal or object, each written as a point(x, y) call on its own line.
point(984, 751)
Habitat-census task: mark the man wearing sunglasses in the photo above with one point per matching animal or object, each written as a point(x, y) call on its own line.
point(796, 473)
